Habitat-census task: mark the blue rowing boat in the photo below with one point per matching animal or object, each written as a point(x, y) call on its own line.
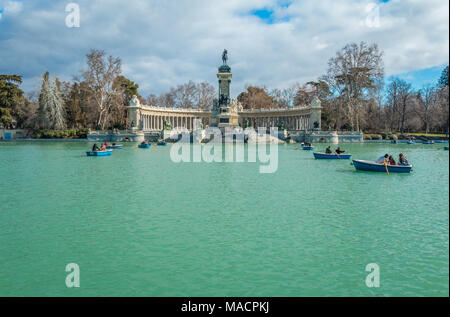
point(144, 146)
point(333, 156)
point(308, 148)
point(99, 153)
point(428, 142)
point(162, 143)
point(114, 147)
point(446, 148)
point(371, 166)
point(410, 142)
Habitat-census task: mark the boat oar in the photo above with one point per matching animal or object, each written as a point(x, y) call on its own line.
point(387, 170)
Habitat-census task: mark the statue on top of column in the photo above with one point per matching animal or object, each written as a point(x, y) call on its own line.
point(225, 56)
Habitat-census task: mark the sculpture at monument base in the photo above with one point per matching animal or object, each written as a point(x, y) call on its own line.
point(134, 102)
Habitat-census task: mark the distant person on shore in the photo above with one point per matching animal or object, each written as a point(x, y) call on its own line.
point(382, 159)
point(402, 160)
point(391, 160)
point(339, 151)
point(328, 150)
point(95, 148)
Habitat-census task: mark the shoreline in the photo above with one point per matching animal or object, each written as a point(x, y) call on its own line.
point(90, 141)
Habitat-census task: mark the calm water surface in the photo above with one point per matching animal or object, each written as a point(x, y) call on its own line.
point(139, 225)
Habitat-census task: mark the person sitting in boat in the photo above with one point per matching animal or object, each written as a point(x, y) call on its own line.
point(382, 159)
point(391, 160)
point(339, 151)
point(114, 144)
point(95, 148)
point(328, 150)
point(103, 147)
point(402, 160)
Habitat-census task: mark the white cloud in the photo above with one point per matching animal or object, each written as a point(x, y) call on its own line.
point(165, 43)
point(12, 7)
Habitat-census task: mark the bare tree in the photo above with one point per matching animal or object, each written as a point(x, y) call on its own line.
point(99, 77)
point(153, 100)
point(404, 103)
point(255, 98)
point(426, 102)
point(283, 98)
point(399, 99)
point(205, 95)
point(443, 108)
point(352, 73)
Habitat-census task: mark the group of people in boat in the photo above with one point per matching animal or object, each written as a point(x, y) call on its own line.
point(95, 148)
point(389, 159)
point(144, 142)
point(338, 151)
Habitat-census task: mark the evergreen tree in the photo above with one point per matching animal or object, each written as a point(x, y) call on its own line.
point(44, 112)
point(51, 105)
point(57, 106)
point(11, 99)
point(443, 81)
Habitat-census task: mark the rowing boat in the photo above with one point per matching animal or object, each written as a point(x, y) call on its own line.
point(333, 156)
point(362, 165)
point(114, 147)
point(99, 153)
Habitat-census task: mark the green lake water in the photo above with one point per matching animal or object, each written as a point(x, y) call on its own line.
point(138, 224)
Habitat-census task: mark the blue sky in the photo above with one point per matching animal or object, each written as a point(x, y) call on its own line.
point(422, 77)
point(276, 43)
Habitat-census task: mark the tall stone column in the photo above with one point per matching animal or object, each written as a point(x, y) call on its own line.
point(134, 113)
point(316, 114)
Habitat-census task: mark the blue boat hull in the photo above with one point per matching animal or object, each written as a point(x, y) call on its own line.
point(99, 153)
point(144, 146)
point(162, 144)
point(324, 156)
point(374, 167)
point(308, 148)
point(446, 148)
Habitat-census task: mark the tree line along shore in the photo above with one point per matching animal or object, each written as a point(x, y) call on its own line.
point(355, 96)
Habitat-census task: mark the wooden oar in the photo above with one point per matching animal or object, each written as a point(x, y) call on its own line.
point(387, 170)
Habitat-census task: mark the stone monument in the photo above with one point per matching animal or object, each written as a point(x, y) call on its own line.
point(224, 112)
point(134, 109)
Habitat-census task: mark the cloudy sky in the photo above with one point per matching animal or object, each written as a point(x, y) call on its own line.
point(275, 43)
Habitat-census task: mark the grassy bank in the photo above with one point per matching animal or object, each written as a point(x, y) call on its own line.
point(399, 136)
point(60, 134)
